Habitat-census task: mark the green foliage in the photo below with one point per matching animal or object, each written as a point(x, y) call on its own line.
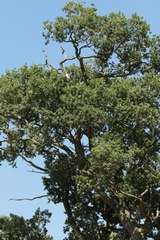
point(122, 46)
point(18, 228)
point(97, 126)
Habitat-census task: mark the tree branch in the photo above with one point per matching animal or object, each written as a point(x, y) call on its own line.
point(63, 147)
point(154, 218)
point(29, 199)
point(32, 164)
point(32, 140)
point(46, 61)
point(36, 172)
point(70, 221)
point(77, 231)
point(79, 58)
point(129, 195)
point(157, 214)
point(61, 63)
point(142, 203)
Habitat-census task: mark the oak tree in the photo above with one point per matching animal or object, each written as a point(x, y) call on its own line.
point(95, 119)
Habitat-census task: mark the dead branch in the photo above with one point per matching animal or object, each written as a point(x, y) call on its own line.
point(62, 68)
point(145, 191)
point(61, 63)
point(32, 171)
point(63, 52)
point(29, 199)
point(154, 218)
point(46, 61)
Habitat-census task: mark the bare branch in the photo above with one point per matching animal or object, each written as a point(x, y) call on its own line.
point(90, 56)
point(63, 52)
point(61, 63)
point(45, 54)
point(46, 61)
point(63, 147)
point(29, 199)
point(33, 164)
point(32, 171)
point(79, 58)
point(129, 195)
point(85, 46)
point(157, 215)
point(145, 191)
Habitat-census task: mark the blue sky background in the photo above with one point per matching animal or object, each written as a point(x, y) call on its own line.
point(22, 42)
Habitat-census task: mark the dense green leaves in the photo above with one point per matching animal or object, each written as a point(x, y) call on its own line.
point(96, 124)
point(18, 228)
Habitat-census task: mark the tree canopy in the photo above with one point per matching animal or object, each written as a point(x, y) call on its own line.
point(18, 228)
point(95, 120)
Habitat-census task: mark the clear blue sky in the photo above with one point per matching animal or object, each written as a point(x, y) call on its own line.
point(22, 42)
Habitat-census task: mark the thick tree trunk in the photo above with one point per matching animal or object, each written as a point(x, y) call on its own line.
point(137, 233)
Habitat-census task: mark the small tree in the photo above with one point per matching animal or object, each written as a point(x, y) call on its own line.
point(18, 228)
point(96, 123)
